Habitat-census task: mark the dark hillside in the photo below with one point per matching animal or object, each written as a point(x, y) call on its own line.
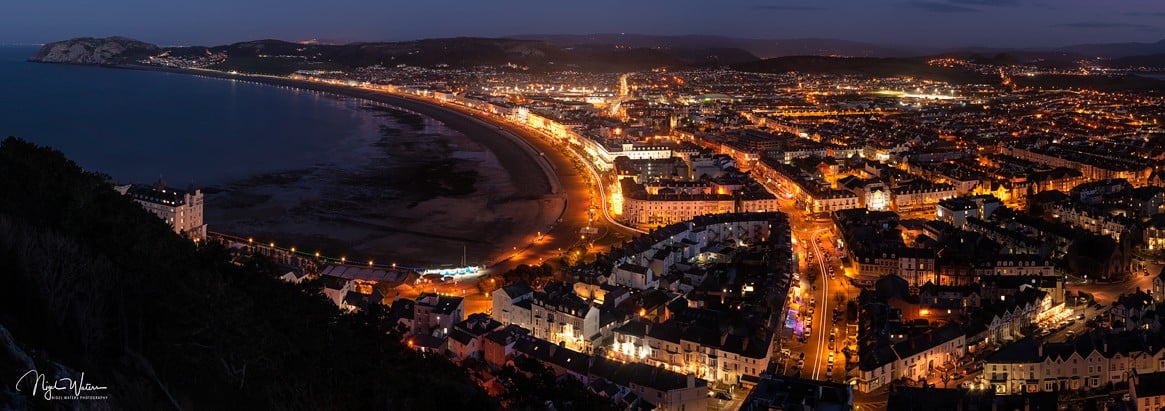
point(93, 283)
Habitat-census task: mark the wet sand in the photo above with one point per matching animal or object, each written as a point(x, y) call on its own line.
point(433, 182)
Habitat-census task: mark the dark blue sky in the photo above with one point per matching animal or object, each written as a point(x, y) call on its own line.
point(946, 23)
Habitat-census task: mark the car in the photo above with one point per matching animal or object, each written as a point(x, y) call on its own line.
point(958, 377)
point(721, 395)
point(1080, 317)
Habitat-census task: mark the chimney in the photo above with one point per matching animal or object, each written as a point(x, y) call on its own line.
point(1040, 350)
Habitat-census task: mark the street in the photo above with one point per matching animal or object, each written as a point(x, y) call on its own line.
point(823, 287)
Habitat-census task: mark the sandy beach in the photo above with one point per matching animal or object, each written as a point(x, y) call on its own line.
point(435, 181)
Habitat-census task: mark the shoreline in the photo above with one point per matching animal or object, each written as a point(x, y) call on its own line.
point(531, 174)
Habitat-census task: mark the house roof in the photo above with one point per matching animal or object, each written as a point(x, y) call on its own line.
point(441, 304)
point(428, 341)
point(783, 392)
point(1150, 384)
point(461, 336)
point(925, 341)
point(157, 193)
point(517, 289)
point(333, 283)
point(1022, 351)
point(505, 335)
point(642, 375)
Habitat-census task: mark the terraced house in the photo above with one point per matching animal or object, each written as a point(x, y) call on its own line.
point(1089, 361)
point(730, 356)
point(915, 357)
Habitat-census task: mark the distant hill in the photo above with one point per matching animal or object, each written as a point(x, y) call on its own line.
point(1101, 83)
point(1047, 59)
point(605, 52)
point(468, 52)
point(868, 66)
point(763, 48)
point(1151, 60)
point(283, 57)
point(1116, 50)
point(89, 50)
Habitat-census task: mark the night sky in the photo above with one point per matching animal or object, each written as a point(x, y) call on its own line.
point(932, 23)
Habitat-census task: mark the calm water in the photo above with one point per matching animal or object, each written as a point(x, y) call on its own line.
point(1155, 76)
point(138, 125)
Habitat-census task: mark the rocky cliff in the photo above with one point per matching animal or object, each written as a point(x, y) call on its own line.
point(88, 50)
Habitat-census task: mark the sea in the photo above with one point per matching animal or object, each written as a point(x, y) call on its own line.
point(1153, 75)
point(339, 175)
point(138, 126)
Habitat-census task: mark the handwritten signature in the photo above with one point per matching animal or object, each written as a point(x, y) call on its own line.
point(48, 390)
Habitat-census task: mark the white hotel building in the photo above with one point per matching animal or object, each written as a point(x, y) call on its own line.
point(181, 209)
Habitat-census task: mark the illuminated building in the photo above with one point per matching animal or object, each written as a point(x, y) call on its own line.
point(655, 254)
point(872, 192)
point(958, 209)
point(555, 314)
point(180, 209)
point(710, 354)
point(670, 202)
point(915, 357)
point(921, 195)
point(1087, 361)
point(436, 314)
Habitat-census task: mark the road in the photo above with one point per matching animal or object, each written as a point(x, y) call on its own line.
point(1106, 293)
point(738, 396)
point(815, 237)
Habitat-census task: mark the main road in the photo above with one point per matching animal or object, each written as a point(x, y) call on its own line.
point(815, 237)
